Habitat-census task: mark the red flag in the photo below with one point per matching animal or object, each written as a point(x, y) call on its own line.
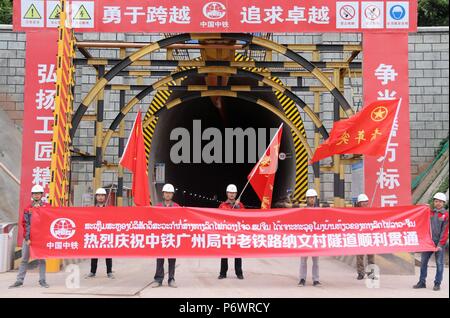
point(262, 176)
point(366, 132)
point(134, 159)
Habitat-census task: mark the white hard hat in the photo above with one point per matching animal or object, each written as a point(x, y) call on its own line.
point(100, 191)
point(168, 188)
point(311, 193)
point(37, 189)
point(232, 188)
point(440, 196)
point(362, 198)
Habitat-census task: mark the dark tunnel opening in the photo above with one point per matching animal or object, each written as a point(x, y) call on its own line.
point(209, 180)
point(203, 184)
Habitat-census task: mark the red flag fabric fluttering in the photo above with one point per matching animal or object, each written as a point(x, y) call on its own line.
point(134, 159)
point(366, 132)
point(262, 176)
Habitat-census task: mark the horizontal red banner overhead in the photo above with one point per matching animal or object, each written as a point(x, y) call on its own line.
point(221, 15)
point(202, 232)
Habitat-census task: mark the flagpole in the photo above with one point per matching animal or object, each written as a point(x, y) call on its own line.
point(259, 161)
point(377, 183)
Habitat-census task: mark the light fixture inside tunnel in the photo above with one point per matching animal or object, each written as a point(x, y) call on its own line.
point(210, 178)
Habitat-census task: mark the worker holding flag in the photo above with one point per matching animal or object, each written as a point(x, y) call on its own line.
point(229, 204)
point(262, 176)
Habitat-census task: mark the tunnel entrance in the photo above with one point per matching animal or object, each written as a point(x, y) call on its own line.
point(220, 59)
point(203, 183)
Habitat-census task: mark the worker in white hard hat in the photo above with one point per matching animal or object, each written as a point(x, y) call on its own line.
point(37, 193)
point(168, 192)
point(100, 202)
point(439, 234)
point(311, 202)
point(363, 202)
point(231, 203)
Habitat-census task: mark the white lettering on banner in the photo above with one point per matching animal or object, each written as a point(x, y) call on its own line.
point(350, 240)
point(389, 200)
point(112, 15)
point(45, 99)
point(41, 176)
point(273, 15)
point(134, 12)
point(278, 15)
point(60, 245)
point(391, 152)
point(167, 240)
point(43, 151)
point(386, 95)
point(251, 15)
point(180, 15)
point(240, 226)
point(161, 15)
point(385, 73)
point(106, 240)
point(152, 240)
point(155, 14)
point(319, 15)
point(47, 130)
point(388, 179)
point(46, 73)
point(257, 241)
point(297, 15)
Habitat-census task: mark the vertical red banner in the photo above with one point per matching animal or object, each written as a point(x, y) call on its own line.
point(385, 73)
point(39, 103)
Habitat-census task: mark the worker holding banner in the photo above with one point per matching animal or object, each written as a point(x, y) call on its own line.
point(363, 202)
point(229, 204)
point(439, 233)
point(37, 193)
point(168, 191)
point(100, 202)
point(311, 202)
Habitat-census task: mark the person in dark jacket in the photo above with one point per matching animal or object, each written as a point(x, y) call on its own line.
point(100, 202)
point(168, 191)
point(231, 203)
point(439, 233)
point(37, 193)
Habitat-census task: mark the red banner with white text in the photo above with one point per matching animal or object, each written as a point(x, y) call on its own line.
point(39, 103)
point(202, 232)
point(385, 69)
point(221, 15)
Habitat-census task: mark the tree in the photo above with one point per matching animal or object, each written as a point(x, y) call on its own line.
point(433, 12)
point(6, 11)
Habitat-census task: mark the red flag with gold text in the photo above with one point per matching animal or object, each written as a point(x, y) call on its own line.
point(366, 132)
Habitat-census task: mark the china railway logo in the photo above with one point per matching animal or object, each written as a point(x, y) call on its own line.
point(214, 10)
point(62, 228)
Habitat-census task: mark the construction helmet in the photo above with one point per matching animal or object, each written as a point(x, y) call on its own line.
point(440, 196)
point(100, 191)
point(362, 198)
point(168, 188)
point(37, 189)
point(232, 188)
point(311, 193)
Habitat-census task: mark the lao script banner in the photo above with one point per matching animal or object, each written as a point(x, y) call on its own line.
point(220, 15)
point(203, 232)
